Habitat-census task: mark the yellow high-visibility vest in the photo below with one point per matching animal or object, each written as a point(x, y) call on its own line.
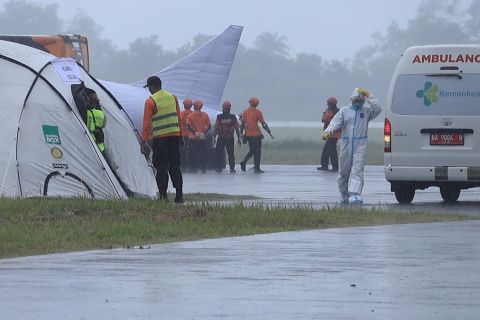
point(165, 121)
point(95, 119)
point(95, 123)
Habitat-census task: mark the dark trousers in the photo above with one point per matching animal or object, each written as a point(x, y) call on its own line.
point(166, 159)
point(184, 154)
point(227, 143)
point(329, 153)
point(198, 154)
point(255, 145)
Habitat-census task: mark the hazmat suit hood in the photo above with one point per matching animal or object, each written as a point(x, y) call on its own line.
point(357, 98)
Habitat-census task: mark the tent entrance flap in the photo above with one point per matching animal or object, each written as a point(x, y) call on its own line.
point(56, 181)
point(80, 97)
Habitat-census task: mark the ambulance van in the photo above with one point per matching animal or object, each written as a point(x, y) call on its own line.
point(432, 122)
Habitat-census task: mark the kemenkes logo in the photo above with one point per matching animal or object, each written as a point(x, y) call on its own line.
point(429, 94)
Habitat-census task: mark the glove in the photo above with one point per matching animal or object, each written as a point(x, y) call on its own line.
point(325, 135)
point(143, 147)
point(365, 92)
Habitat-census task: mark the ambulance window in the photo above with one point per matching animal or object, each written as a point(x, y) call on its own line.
point(437, 96)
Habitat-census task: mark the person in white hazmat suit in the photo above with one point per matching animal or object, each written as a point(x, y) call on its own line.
point(353, 121)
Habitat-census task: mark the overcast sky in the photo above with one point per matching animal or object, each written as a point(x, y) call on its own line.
point(333, 29)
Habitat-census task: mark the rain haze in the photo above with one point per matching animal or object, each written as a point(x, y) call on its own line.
point(324, 48)
point(333, 29)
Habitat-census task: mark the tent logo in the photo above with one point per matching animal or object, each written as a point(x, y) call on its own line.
point(429, 93)
point(51, 134)
point(56, 153)
point(60, 166)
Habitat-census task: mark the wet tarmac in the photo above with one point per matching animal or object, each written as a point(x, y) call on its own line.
point(302, 184)
point(419, 271)
point(416, 271)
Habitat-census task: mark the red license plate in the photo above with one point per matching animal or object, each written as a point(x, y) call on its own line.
point(454, 139)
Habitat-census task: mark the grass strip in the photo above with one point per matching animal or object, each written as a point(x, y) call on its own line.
point(41, 226)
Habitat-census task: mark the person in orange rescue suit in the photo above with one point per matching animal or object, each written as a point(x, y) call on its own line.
point(251, 133)
point(225, 125)
point(184, 150)
point(161, 122)
point(198, 124)
point(329, 152)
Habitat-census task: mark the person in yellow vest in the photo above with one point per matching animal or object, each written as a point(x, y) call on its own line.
point(161, 123)
point(96, 120)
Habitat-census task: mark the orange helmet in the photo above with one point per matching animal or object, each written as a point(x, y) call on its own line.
point(187, 103)
point(332, 100)
point(198, 104)
point(226, 104)
point(254, 101)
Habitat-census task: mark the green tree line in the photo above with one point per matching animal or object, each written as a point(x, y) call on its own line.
point(289, 87)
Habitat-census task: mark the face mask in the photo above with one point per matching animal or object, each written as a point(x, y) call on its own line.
point(356, 105)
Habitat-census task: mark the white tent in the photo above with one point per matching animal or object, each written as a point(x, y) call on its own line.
point(200, 75)
point(46, 149)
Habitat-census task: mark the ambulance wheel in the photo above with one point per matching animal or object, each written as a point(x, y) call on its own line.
point(450, 193)
point(405, 196)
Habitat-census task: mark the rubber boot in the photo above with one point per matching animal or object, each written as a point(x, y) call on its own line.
point(179, 195)
point(163, 196)
point(243, 166)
